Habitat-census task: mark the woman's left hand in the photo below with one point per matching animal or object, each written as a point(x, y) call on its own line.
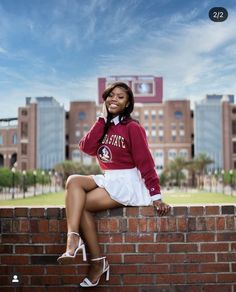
point(161, 207)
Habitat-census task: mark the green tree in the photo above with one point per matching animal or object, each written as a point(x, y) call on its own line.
point(200, 163)
point(175, 170)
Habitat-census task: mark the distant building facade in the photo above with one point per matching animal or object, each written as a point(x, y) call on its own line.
point(41, 134)
point(212, 127)
point(146, 89)
point(8, 142)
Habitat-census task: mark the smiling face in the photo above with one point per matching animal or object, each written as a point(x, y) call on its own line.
point(117, 101)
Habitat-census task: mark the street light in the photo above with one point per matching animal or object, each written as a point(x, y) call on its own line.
point(223, 183)
point(216, 179)
point(209, 173)
point(13, 170)
point(43, 173)
point(24, 175)
point(56, 174)
point(50, 180)
point(231, 181)
point(34, 173)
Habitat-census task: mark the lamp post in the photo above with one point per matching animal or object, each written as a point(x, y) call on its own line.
point(216, 179)
point(223, 183)
point(209, 173)
point(43, 173)
point(231, 181)
point(34, 173)
point(13, 170)
point(50, 180)
point(55, 176)
point(24, 175)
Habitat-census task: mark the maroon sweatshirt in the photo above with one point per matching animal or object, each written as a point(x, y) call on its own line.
point(124, 146)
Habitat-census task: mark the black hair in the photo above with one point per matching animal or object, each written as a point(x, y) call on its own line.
point(126, 112)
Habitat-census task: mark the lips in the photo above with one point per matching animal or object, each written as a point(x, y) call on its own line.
point(113, 106)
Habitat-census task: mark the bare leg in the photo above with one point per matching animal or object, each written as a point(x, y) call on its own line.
point(96, 200)
point(76, 188)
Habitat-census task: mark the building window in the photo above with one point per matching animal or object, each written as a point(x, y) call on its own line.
point(160, 114)
point(183, 153)
point(77, 134)
point(234, 110)
point(76, 155)
point(82, 116)
point(1, 140)
point(24, 112)
point(24, 149)
point(234, 147)
point(24, 130)
point(234, 127)
point(146, 114)
point(14, 139)
point(172, 154)
point(154, 115)
point(178, 114)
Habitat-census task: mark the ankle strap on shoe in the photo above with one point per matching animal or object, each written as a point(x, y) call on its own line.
point(98, 259)
point(72, 232)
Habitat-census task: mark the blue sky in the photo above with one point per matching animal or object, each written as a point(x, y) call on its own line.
point(60, 47)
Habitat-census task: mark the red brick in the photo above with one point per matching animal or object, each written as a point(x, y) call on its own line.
point(184, 268)
point(214, 247)
point(180, 211)
point(230, 223)
point(53, 225)
point(65, 270)
point(53, 212)
point(183, 247)
point(170, 258)
point(6, 212)
point(201, 278)
point(29, 270)
point(171, 279)
point(196, 211)
point(212, 210)
point(226, 257)
point(15, 260)
point(110, 238)
point(137, 279)
point(152, 247)
point(226, 278)
point(217, 288)
point(21, 225)
point(37, 212)
point(153, 269)
point(132, 211)
point(43, 225)
point(139, 238)
point(63, 225)
point(214, 268)
point(200, 257)
point(220, 223)
point(198, 237)
point(21, 212)
point(15, 238)
point(211, 223)
point(46, 238)
point(182, 224)
point(124, 269)
point(132, 224)
point(148, 211)
point(226, 236)
point(152, 224)
point(29, 249)
point(170, 237)
point(138, 258)
point(121, 248)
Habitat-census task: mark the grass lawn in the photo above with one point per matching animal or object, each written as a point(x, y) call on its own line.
point(172, 197)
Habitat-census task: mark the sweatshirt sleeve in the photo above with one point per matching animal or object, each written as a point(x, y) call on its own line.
point(90, 142)
point(143, 159)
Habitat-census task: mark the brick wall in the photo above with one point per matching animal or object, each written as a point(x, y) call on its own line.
point(192, 249)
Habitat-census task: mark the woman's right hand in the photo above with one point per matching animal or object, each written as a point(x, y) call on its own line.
point(104, 110)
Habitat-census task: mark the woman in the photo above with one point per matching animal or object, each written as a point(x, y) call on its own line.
point(129, 179)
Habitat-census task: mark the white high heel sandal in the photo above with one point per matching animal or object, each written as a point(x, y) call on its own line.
point(66, 257)
point(105, 269)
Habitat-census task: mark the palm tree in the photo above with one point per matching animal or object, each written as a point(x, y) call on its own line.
point(200, 163)
point(175, 169)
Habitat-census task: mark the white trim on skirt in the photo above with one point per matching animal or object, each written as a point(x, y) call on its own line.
point(125, 186)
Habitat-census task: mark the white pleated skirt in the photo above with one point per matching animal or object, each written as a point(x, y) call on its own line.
point(125, 186)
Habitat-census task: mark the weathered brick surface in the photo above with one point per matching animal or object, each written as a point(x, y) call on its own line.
point(192, 249)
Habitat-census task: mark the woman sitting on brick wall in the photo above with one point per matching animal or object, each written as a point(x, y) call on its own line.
point(129, 178)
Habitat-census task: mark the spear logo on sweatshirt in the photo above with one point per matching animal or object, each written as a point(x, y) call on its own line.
point(104, 154)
